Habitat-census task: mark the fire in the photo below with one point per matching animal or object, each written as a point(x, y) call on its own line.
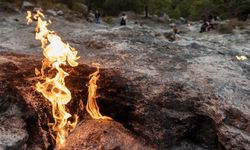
point(241, 58)
point(56, 53)
point(92, 107)
point(29, 17)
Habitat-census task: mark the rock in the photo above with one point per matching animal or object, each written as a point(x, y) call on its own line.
point(182, 20)
point(155, 17)
point(93, 44)
point(91, 17)
point(17, 117)
point(13, 134)
point(170, 36)
point(37, 8)
point(60, 13)
point(164, 18)
point(236, 137)
point(8, 7)
point(172, 25)
point(108, 19)
point(248, 18)
point(180, 94)
point(102, 134)
point(27, 5)
point(184, 29)
point(186, 145)
point(80, 8)
point(52, 12)
point(225, 28)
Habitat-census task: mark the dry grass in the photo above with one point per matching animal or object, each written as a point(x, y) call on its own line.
point(225, 28)
point(228, 27)
point(108, 19)
point(236, 23)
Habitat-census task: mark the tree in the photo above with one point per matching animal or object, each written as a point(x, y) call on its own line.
point(145, 5)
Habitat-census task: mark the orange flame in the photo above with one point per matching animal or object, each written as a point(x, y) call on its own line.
point(92, 107)
point(56, 53)
point(241, 58)
point(29, 17)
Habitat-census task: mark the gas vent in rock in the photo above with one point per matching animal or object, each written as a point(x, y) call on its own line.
point(56, 55)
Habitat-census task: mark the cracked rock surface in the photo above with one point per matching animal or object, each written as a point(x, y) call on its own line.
point(188, 94)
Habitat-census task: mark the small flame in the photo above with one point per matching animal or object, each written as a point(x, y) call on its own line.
point(38, 14)
point(56, 53)
point(241, 58)
point(29, 17)
point(92, 107)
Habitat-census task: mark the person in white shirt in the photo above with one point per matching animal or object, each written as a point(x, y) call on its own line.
point(123, 20)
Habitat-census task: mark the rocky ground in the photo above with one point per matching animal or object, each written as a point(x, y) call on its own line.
point(191, 93)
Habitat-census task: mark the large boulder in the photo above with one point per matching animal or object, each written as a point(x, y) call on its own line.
point(91, 17)
point(8, 7)
point(170, 36)
point(102, 134)
point(164, 18)
point(52, 12)
point(27, 5)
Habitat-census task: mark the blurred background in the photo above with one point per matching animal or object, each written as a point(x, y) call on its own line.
point(191, 9)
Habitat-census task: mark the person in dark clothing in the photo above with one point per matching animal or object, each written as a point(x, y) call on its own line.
point(210, 17)
point(175, 29)
point(97, 16)
point(123, 20)
point(204, 26)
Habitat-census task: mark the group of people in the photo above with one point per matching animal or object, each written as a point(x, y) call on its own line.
point(182, 21)
point(209, 24)
point(206, 26)
point(123, 20)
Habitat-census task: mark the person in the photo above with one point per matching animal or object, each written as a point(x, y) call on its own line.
point(217, 18)
point(97, 16)
point(182, 20)
point(210, 17)
point(187, 23)
point(123, 20)
point(210, 25)
point(204, 26)
point(175, 29)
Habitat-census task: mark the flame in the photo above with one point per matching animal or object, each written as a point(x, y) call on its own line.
point(56, 53)
point(241, 58)
point(92, 107)
point(29, 17)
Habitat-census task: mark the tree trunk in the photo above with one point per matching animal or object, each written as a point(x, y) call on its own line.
point(89, 5)
point(146, 11)
point(146, 8)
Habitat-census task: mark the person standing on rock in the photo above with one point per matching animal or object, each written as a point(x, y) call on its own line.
point(175, 29)
point(97, 16)
point(123, 20)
